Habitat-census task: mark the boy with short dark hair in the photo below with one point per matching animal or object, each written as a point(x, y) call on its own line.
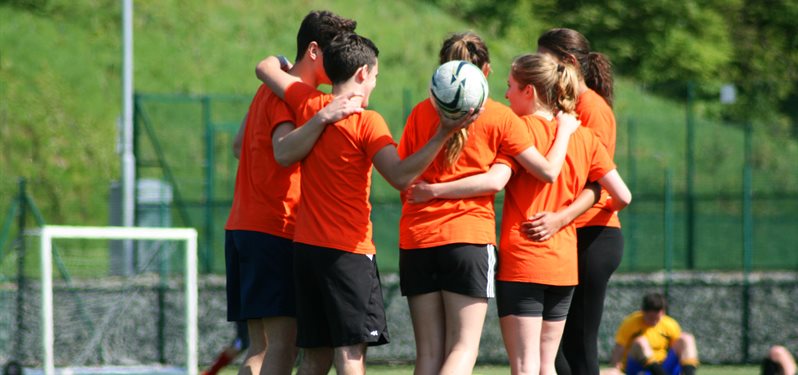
point(260, 228)
point(339, 307)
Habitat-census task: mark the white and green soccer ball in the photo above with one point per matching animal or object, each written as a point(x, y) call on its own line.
point(458, 86)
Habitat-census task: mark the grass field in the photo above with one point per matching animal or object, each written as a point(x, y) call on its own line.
point(503, 370)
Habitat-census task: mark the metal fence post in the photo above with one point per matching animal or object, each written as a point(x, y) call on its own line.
point(690, 177)
point(207, 261)
point(20, 244)
point(747, 242)
point(631, 224)
point(668, 228)
point(407, 104)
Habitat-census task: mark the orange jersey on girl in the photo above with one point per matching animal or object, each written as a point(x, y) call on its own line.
point(552, 262)
point(266, 193)
point(471, 220)
point(334, 208)
point(596, 115)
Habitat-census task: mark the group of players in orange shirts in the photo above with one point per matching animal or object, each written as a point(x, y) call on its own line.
point(301, 263)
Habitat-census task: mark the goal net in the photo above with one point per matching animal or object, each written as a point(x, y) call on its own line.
point(97, 314)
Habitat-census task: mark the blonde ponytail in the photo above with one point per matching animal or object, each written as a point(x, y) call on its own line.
point(566, 88)
point(554, 83)
point(454, 147)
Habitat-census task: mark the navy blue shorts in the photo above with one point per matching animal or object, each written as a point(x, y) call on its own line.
point(339, 298)
point(671, 365)
point(260, 276)
point(530, 299)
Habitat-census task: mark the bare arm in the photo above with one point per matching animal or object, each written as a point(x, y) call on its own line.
point(238, 140)
point(620, 196)
point(401, 173)
point(543, 225)
point(292, 144)
point(488, 183)
point(270, 71)
point(548, 168)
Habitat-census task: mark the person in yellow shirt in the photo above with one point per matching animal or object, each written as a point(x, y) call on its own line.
point(650, 342)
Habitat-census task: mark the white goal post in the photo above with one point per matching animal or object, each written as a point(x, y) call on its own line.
point(50, 232)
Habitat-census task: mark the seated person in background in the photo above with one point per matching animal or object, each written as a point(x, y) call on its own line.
point(650, 342)
point(779, 361)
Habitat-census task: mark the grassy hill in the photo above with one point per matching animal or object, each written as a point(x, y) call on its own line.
point(60, 68)
point(60, 77)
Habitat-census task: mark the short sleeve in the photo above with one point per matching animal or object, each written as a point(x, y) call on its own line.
point(515, 136)
point(279, 111)
point(601, 163)
point(508, 161)
point(596, 115)
point(406, 143)
point(421, 119)
point(375, 132)
point(304, 100)
point(674, 330)
point(625, 332)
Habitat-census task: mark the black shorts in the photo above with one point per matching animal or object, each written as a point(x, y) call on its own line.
point(339, 298)
point(260, 278)
point(530, 299)
point(460, 268)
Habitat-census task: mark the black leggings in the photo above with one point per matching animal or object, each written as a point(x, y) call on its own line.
point(600, 250)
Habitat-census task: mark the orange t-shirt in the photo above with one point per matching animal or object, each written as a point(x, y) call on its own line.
point(596, 115)
point(470, 220)
point(334, 208)
point(266, 194)
point(552, 262)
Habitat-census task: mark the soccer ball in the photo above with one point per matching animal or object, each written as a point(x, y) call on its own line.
point(458, 86)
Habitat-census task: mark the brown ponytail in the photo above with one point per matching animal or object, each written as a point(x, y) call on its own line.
point(599, 75)
point(595, 67)
point(468, 47)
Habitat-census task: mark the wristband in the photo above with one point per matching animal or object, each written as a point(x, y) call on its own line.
point(284, 63)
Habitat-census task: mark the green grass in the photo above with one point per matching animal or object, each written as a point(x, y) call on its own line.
point(504, 370)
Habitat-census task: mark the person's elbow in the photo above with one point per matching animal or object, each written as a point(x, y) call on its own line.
point(283, 162)
point(621, 201)
point(549, 175)
point(261, 69)
point(495, 185)
point(284, 159)
point(400, 183)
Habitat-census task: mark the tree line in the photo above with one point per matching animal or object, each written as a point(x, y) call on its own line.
point(665, 44)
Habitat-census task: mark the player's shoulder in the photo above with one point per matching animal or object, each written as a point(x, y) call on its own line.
point(264, 94)
point(303, 90)
point(369, 115)
point(670, 321)
point(498, 114)
point(631, 323)
point(634, 316)
point(360, 121)
point(592, 99)
point(424, 108)
point(590, 105)
point(495, 108)
point(586, 134)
